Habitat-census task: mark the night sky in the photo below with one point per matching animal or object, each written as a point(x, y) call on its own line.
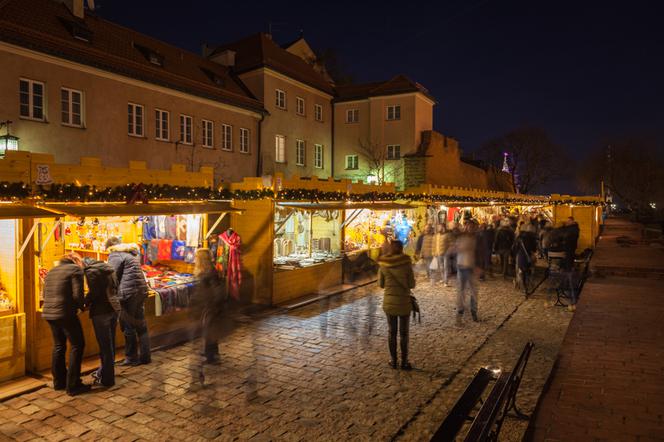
point(582, 70)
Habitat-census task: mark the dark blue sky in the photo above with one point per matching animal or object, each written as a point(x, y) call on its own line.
point(582, 70)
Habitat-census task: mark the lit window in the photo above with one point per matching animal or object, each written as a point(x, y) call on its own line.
point(208, 133)
point(394, 112)
point(352, 162)
point(244, 140)
point(352, 115)
point(299, 152)
point(299, 106)
point(135, 119)
point(393, 151)
point(280, 148)
point(71, 107)
point(161, 131)
point(185, 129)
point(31, 99)
point(226, 137)
point(280, 99)
point(318, 156)
point(318, 112)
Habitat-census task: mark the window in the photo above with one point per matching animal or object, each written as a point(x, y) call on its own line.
point(135, 119)
point(31, 99)
point(299, 106)
point(244, 140)
point(150, 55)
point(352, 162)
point(394, 112)
point(162, 118)
point(280, 99)
point(226, 137)
point(352, 115)
point(280, 149)
point(299, 152)
point(208, 133)
point(185, 129)
point(393, 151)
point(318, 112)
point(72, 107)
point(318, 156)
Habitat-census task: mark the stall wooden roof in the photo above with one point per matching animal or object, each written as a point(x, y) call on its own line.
point(20, 210)
point(373, 205)
point(124, 209)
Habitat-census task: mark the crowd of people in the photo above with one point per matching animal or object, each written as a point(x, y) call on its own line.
point(468, 249)
point(117, 291)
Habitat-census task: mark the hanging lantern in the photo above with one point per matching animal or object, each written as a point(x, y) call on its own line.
point(7, 141)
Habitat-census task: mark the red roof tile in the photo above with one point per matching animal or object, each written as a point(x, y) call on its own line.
point(399, 84)
point(259, 50)
point(46, 26)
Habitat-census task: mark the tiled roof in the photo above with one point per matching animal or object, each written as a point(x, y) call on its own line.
point(399, 84)
point(259, 50)
point(48, 26)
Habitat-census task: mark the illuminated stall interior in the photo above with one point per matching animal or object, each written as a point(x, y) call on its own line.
point(166, 236)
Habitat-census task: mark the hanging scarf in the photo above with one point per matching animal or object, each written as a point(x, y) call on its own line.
point(228, 260)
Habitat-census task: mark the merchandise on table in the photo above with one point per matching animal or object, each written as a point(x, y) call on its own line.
point(369, 229)
point(173, 289)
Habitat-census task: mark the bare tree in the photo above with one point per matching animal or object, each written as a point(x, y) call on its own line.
point(375, 156)
point(534, 159)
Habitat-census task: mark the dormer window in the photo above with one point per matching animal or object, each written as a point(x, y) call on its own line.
point(216, 79)
point(77, 29)
point(150, 55)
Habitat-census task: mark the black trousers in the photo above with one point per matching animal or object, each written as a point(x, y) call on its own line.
point(63, 330)
point(135, 328)
point(400, 324)
point(104, 326)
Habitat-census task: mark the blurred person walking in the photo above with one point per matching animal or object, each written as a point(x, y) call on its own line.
point(443, 244)
point(466, 250)
point(396, 277)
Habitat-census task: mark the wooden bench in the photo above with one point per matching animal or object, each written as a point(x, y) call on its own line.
point(569, 283)
point(489, 418)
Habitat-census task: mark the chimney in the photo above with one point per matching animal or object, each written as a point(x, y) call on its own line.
point(225, 58)
point(75, 7)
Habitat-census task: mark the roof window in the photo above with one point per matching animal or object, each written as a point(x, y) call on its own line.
point(77, 29)
point(216, 79)
point(150, 55)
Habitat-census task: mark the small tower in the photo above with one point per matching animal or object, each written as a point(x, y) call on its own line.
point(506, 167)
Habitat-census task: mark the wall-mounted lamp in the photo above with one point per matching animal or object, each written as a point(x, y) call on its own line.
point(7, 141)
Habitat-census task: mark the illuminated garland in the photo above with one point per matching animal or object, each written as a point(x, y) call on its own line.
point(166, 192)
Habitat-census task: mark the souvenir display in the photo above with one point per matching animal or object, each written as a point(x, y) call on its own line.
point(5, 302)
point(371, 228)
point(229, 261)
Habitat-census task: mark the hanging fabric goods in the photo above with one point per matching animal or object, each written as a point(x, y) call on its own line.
point(229, 261)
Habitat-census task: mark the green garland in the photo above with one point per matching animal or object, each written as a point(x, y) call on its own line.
point(165, 192)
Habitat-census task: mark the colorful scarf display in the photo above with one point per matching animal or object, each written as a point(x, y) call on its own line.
point(229, 261)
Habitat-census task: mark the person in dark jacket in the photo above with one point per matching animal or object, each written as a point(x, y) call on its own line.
point(570, 233)
point(208, 303)
point(63, 298)
point(132, 291)
point(104, 306)
point(525, 246)
point(396, 277)
point(503, 244)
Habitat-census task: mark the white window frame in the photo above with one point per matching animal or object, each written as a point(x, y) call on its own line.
point(391, 149)
point(280, 99)
point(393, 109)
point(70, 108)
point(300, 153)
point(352, 116)
point(208, 134)
point(226, 137)
point(186, 124)
point(319, 159)
point(162, 125)
point(300, 106)
point(279, 149)
point(132, 120)
point(354, 162)
point(318, 112)
point(31, 100)
point(245, 140)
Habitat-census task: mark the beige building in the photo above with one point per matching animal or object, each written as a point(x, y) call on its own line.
point(296, 137)
point(76, 85)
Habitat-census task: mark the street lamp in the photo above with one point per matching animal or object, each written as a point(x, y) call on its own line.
point(7, 141)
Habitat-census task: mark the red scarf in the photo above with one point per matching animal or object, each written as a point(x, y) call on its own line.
point(233, 263)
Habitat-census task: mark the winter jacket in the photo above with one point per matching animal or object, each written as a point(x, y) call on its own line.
point(125, 260)
point(63, 291)
point(443, 243)
point(424, 247)
point(504, 239)
point(102, 297)
point(210, 297)
point(465, 248)
point(396, 277)
point(571, 238)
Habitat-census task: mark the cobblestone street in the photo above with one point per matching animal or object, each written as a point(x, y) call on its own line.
point(315, 373)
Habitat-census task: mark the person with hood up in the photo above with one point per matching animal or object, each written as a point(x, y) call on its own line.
point(396, 277)
point(63, 298)
point(104, 306)
point(132, 291)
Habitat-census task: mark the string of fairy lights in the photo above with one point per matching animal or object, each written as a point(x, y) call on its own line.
point(136, 193)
